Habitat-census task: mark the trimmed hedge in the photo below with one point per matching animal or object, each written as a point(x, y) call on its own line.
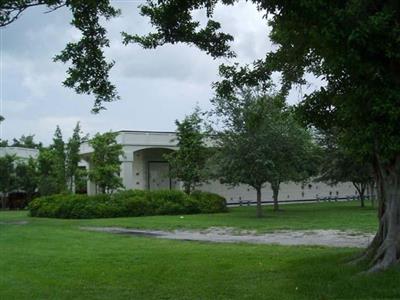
point(130, 203)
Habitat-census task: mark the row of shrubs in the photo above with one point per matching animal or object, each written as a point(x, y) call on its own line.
point(129, 203)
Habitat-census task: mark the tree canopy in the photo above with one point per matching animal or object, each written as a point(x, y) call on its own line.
point(7, 177)
point(261, 142)
point(188, 162)
point(105, 164)
point(26, 141)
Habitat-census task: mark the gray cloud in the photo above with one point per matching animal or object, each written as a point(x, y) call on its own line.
point(156, 86)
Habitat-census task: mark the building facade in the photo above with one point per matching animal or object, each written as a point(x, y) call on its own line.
point(143, 166)
point(19, 152)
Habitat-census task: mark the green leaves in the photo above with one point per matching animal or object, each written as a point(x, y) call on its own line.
point(105, 162)
point(89, 73)
point(188, 162)
point(261, 141)
point(174, 24)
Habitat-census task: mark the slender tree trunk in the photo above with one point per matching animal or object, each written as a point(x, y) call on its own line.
point(384, 250)
point(259, 206)
point(360, 187)
point(362, 194)
point(275, 194)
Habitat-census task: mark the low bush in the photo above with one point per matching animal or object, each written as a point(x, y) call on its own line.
point(129, 203)
point(209, 202)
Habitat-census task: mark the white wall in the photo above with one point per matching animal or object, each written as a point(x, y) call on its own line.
point(20, 152)
point(288, 191)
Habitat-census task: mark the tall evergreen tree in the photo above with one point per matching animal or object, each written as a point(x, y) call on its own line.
point(58, 148)
point(73, 158)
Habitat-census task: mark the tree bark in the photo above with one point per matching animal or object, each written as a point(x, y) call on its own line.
point(275, 194)
point(259, 206)
point(371, 193)
point(384, 250)
point(361, 192)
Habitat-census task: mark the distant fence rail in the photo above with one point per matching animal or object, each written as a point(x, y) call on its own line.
point(322, 199)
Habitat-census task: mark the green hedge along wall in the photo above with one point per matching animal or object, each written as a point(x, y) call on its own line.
point(129, 203)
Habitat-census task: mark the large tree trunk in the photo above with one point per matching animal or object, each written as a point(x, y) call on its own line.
point(384, 250)
point(259, 206)
point(275, 194)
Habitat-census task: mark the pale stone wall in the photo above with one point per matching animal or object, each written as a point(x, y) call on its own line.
point(22, 153)
point(288, 191)
point(142, 147)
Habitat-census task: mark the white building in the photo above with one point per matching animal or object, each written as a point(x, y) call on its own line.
point(144, 167)
point(19, 152)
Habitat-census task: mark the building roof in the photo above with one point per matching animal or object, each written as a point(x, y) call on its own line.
point(19, 152)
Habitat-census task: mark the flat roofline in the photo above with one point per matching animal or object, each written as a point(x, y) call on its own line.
point(22, 148)
point(147, 131)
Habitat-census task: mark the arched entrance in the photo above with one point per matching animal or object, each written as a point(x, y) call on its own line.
point(152, 168)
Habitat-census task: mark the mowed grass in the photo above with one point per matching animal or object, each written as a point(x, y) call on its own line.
point(54, 259)
point(327, 215)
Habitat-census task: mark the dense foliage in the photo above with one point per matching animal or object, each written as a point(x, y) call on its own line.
point(188, 161)
point(74, 174)
point(88, 67)
point(340, 165)
point(7, 177)
point(261, 142)
point(105, 164)
point(130, 203)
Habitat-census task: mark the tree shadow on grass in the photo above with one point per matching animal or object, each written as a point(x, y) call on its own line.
point(328, 276)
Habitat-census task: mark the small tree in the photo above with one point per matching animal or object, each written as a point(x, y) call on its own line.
point(341, 165)
point(59, 159)
point(105, 162)
point(187, 163)
point(48, 183)
point(7, 177)
point(73, 173)
point(261, 143)
point(27, 174)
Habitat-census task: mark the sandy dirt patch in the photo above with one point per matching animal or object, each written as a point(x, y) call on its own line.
point(330, 238)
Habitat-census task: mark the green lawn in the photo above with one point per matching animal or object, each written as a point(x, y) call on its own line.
point(53, 259)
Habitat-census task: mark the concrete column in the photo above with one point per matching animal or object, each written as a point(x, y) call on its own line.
point(91, 186)
point(127, 170)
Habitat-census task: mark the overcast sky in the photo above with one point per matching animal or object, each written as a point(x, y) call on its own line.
point(156, 86)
